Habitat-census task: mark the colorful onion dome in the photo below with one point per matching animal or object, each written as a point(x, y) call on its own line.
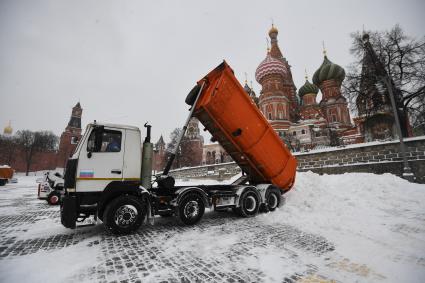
point(328, 71)
point(270, 66)
point(273, 30)
point(308, 88)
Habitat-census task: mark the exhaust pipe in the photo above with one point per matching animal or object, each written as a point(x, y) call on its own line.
point(147, 155)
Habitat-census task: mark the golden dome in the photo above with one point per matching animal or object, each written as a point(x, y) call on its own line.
point(273, 30)
point(8, 130)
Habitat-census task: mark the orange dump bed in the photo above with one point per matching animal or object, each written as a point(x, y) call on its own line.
point(232, 118)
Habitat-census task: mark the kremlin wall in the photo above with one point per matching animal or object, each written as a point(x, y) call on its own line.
point(15, 157)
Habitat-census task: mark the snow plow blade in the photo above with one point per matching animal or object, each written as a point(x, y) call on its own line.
point(232, 118)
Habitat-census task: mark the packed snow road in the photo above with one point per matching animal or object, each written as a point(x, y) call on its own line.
point(338, 228)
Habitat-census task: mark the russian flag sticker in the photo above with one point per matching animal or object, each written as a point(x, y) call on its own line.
point(86, 174)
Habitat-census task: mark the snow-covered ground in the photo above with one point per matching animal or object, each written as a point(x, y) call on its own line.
point(354, 227)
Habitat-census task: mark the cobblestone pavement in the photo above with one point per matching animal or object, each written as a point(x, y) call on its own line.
point(221, 248)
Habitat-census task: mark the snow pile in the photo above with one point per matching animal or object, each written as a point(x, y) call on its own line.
point(375, 220)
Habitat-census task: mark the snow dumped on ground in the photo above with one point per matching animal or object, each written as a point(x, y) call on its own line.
point(353, 227)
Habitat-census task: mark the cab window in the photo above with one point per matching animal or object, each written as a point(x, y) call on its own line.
point(102, 140)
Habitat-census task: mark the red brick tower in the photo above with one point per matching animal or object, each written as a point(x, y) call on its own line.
point(70, 137)
point(334, 106)
point(277, 99)
point(192, 145)
point(159, 155)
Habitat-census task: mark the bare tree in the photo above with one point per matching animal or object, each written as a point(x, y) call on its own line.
point(32, 142)
point(7, 149)
point(171, 147)
point(402, 59)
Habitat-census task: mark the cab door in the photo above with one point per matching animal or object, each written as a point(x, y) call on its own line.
point(101, 160)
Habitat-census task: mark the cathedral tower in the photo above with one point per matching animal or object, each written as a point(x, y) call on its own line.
point(309, 109)
point(277, 99)
point(334, 106)
point(373, 102)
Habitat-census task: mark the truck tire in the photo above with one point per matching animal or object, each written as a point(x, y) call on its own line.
point(249, 204)
point(273, 199)
point(124, 214)
point(191, 97)
point(191, 208)
point(54, 198)
point(3, 182)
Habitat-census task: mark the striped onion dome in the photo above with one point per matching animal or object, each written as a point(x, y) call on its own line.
point(308, 87)
point(328, 71)
point(270, 66)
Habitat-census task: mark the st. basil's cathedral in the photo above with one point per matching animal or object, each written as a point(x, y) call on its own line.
point(297, 117)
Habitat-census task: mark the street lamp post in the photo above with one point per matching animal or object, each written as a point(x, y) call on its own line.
point(407, 172)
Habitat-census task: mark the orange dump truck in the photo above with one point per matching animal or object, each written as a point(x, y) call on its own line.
point(6, 173)
point(232, 118)
point(118, 189)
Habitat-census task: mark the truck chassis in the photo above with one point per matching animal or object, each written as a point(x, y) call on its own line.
point(124, 210)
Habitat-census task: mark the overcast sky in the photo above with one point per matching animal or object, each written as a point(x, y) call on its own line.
point(130, 62)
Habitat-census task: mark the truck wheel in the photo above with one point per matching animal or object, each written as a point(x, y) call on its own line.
point(249, 204)
point(2, 182)
point(273, 198)
point(191, 208)
point(54, 198)
point(191, 97)
point(124, 214)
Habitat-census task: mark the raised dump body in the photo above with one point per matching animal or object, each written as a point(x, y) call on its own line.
point(232, 118)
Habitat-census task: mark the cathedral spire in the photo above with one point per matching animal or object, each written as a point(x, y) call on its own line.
point(324, 48)
point(275, 50)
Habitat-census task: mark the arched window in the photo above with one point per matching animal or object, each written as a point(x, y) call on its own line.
point(280, 111)
point(303, 132)
point(269, 111)
point(294, 133)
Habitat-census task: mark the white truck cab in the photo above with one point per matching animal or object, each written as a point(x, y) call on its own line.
point(106, 153)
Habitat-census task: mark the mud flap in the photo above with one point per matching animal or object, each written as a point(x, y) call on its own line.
point(69, 211)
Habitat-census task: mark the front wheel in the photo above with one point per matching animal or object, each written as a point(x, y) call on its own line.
point(191, 208)
point(124, 215)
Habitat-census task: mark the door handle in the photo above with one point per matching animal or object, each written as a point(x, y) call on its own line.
point(116, 171)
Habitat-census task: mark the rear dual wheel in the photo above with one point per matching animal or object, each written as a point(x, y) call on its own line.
point(249, 204)
point(273, 198)
point(191, 208)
